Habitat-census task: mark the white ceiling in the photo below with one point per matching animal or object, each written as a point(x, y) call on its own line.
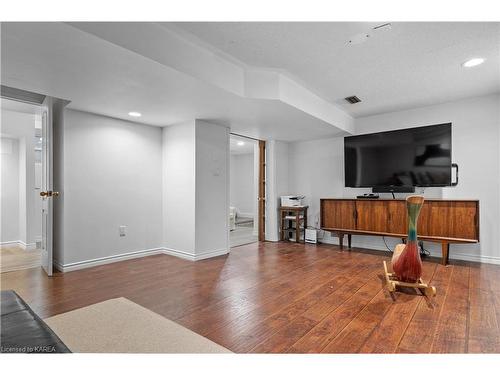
point(177, 72)
point(411, 65)
point(97, 76)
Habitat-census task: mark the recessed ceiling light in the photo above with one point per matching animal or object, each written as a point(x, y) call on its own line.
point(240, 143)
point(135, 114)
point(473, 62)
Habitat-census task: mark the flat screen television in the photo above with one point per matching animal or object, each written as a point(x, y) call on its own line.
point(401, 158)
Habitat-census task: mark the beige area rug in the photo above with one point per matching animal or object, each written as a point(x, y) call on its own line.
point(14, 258)
point(121, 326)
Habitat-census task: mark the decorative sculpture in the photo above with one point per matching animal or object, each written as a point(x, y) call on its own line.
point(406, 262)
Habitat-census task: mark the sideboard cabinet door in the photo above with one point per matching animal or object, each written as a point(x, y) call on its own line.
point(398, 217)
point(373, 216)
point(453, 219)
point(338, 214)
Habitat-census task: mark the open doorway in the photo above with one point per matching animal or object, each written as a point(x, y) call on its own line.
point(244, 191)
point(21, 179)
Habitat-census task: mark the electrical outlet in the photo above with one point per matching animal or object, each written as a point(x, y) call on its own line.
point(123, 230)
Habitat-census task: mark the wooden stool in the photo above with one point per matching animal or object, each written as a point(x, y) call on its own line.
point(392, 283)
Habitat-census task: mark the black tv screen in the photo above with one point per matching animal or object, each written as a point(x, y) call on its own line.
point(409, 157)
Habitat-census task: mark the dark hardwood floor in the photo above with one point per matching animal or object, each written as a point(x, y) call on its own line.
point(282, 297)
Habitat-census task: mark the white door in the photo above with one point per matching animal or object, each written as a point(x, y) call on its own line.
point(46, 193)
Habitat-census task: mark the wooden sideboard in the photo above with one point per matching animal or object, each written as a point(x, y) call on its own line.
point(444, 221)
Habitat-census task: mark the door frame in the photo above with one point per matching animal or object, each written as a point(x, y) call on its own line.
point(51, 113)
point(261, 193)
point(45, 104)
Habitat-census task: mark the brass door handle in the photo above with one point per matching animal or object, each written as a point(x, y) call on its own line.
point(49, 193)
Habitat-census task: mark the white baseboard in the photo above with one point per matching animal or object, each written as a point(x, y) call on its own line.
point(473, 258)
point(273, 238)
point(434, 253)
point(23, 245)
point(106, 260)
point(195, 257)
point(9, 243)
point(211, 254)
point(137, 254)
point(27, 246)
point(178, 253)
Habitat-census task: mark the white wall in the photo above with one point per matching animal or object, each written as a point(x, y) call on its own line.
point(277, 183)
point(112, 177)
point(316, 171)
point(179, 187)
point(242, 194)
point(9, 164)
point(195, 189)
point(212, 189)
point(316, 167)
point(169, 187)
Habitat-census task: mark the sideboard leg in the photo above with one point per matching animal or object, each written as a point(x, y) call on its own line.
point(349, 238)
point(445, 250)
point(341, 240)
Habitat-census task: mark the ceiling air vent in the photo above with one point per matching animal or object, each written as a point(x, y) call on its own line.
point(353, 99)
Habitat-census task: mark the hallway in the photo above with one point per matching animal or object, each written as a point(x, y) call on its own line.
point(14, 258)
